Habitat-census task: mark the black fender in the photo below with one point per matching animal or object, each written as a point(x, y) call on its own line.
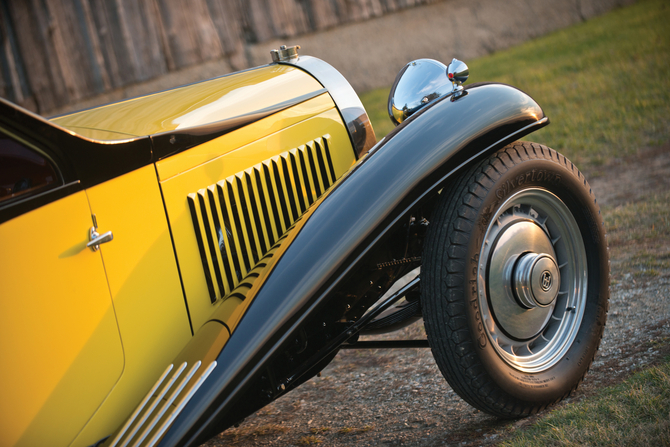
point(407, 167)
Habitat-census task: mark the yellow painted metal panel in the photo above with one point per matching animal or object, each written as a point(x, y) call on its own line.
point(206, 345)
point(145, 286)
point(98, 134)
point(59, 341)
point(205, 152)
point(177, 188)
point(196, 104)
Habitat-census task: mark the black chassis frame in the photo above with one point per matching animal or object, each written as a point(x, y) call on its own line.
point(342, 255)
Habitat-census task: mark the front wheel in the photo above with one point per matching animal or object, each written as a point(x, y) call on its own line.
point(515, 281)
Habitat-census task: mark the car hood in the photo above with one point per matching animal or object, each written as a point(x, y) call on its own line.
point(192, 105)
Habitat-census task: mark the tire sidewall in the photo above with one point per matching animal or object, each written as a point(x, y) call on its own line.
point(558, 380)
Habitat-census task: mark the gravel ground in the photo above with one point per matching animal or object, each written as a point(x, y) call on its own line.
point(398, 397)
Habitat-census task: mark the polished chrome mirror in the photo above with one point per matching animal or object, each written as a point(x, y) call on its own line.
point(458, 73)
point(422, 81)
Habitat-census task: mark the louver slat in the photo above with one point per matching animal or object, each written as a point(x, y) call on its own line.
point(224, 250)
point(238, 220)
point(298, 181)
point(262, 206)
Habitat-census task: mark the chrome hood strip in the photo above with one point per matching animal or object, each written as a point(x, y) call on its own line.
point(348, 103)
point(175, 141)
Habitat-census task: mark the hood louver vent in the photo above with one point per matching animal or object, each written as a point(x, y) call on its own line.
point(238, 220)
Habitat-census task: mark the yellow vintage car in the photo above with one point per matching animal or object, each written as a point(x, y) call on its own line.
point(172, 263)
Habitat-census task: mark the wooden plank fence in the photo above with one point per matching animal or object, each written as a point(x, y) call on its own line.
point(54, 52)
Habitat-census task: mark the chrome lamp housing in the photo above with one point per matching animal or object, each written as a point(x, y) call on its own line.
point(422, 81)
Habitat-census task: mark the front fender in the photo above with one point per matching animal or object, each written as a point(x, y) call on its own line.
point(332, 237)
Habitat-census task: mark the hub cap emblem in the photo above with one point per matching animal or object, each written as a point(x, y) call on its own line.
point(546, 280)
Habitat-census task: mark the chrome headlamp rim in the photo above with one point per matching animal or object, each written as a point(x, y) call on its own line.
point(348, 103)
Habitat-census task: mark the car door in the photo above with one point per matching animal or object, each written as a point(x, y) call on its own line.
point(59, 341)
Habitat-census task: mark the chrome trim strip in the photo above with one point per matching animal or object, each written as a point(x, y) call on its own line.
point(174, 141)
point(348, 103)
point(151, 409)
point(182, 403)
point(166, 412)
point(244, 119)
point(140, 407)
point(166, 405)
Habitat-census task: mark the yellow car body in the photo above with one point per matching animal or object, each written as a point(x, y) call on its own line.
point(172, 263)
point(87, 333)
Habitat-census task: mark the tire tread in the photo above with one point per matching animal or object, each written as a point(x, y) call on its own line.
point(456, 358)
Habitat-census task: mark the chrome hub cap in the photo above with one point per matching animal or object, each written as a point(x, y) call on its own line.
point(532, 280)
point(536, 279)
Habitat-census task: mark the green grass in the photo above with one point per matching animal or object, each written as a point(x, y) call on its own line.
point(375, 102)
point(638, 234)
point(643, 220)
point(604, 84)
point(635, 413)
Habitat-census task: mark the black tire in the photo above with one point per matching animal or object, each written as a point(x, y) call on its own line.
point(515, 281)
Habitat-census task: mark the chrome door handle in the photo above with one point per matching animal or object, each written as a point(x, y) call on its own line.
point(98, 239)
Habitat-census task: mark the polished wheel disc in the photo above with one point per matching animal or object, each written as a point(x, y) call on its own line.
point(515, 280)
point(532, 279)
